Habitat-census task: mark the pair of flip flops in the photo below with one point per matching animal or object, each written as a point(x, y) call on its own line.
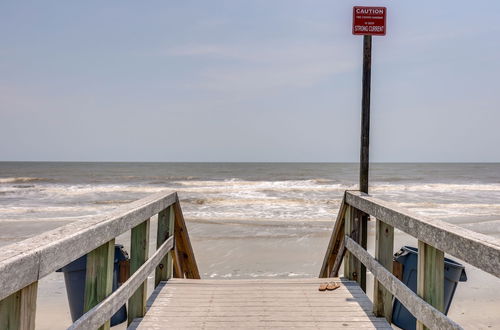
point(330, 286)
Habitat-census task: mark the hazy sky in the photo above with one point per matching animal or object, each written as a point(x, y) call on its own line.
point(246, 81)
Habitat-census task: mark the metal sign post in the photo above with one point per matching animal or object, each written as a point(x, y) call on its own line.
point(367, 21)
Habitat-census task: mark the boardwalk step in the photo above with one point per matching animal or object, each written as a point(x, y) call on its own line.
point(252, 304)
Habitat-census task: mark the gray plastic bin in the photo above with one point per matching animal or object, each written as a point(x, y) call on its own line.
point(408, 257)
point(74, 277)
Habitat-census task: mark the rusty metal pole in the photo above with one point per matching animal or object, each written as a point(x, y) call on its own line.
point(365, 144)
point(365, 114)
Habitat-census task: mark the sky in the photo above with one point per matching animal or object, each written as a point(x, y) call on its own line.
point(254, 80)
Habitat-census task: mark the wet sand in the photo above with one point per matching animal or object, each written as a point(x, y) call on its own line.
point(257, 249)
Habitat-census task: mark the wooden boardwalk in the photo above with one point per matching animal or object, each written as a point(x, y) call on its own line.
point(258, 304)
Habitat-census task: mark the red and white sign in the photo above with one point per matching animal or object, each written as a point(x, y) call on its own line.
point(369, 21)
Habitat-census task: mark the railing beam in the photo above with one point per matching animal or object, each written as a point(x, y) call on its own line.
point(139, 250)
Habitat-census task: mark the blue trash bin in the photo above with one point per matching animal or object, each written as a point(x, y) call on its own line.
point(74, 277)
point(408, 257)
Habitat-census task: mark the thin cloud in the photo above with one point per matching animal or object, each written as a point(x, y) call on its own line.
point(261, 68)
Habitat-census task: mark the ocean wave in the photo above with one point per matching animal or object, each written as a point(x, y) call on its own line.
point(114, 202)
point(89, 189)
point(170, 179)
point(22, 179)
point(244, 187)
point(435, 187)
point(296, 200)
point(258, 201)
point(47, 209)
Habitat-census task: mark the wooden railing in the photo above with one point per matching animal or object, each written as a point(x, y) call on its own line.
point(23, 264)
point(348, 244)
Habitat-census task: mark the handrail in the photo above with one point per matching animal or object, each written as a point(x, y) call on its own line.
point(103, 311)
point(429, 315)
point(435, 238)
point(474, 248)
point(24, 263)
point(30, 260)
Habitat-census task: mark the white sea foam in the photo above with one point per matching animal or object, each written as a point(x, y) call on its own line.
point(435, 187)
point(294, 200)
point(23, 179)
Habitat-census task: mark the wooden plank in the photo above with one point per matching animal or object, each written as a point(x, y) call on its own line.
point(99, 277)
point(333, 308)
point(184, 250)
point(310, 291)
point(384, 248)
point(18, 310)
point(144, 324)
point(424, 312)
point(476, 249)
point(165, 229)
point(256, 313)
point(293, 318)
point(28, 261)
point(430, 278)
point(335, 242)
point(104, 310)
point(300, 300)
point(139, 251)
point(262, 281)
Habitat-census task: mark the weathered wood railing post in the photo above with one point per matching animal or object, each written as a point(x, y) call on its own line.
point(139, 250)
point(99, 277)
point(351, 264)
point(165, 229)
point(384, 248)
point(363, 240)
point(17, 311)
point(430, 277)
point(353, 269)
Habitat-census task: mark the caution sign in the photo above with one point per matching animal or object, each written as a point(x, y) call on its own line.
point(369, 21)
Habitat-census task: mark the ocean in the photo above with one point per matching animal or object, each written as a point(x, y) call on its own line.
point(253, 220)
point(464, 194)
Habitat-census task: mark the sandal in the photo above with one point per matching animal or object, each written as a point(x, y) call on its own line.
point(332, 286)
point(323, 286)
